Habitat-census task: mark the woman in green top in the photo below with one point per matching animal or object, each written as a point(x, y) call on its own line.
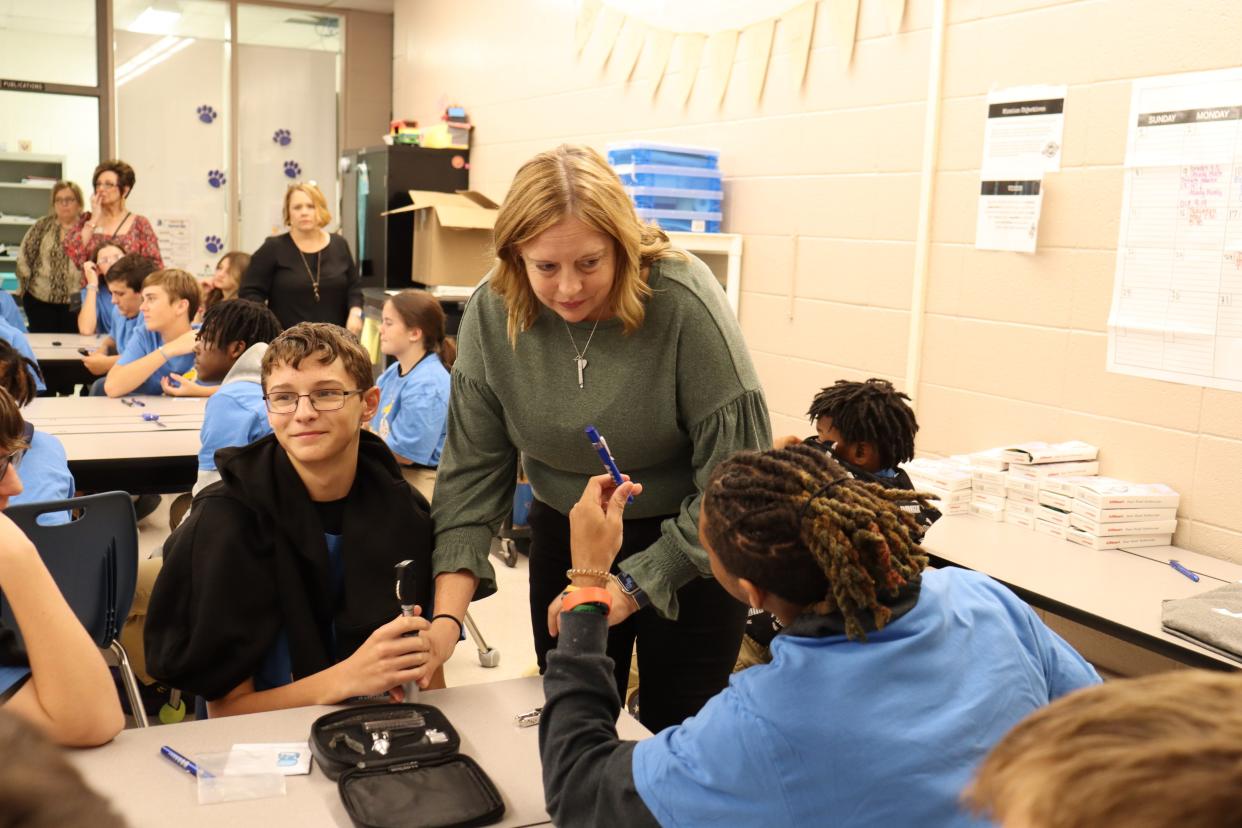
point(592, 318)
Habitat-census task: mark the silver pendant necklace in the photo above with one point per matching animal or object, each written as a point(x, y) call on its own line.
point(580, 356)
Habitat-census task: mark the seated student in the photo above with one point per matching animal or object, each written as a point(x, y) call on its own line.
point(165, 343)
point(277, 589)
point(45, 468)
point(229, 351)
point(11, 313)
point(60, 682)
point(124, 280)
point(886, 688)
point(43, 789)
point(21, 343)
point(414, 391)
point(224, 283)
point(1162, 751)
point(95, 315)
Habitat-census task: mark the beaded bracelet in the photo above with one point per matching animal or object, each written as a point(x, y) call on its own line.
point(600, 574)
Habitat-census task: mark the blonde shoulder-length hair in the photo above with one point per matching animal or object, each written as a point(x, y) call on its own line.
point(316, 196)
point(576, 181)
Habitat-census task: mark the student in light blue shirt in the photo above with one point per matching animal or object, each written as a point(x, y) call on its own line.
point(229, 350)
point(95, 315)
point(414, 391)
point(165, 345)
point(11, 313)
point(888, 684)
point(124, 280)
point(18, 340)
point(44, 467)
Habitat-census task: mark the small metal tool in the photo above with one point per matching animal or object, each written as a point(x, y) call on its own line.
point(407, 590)
point(530, 718)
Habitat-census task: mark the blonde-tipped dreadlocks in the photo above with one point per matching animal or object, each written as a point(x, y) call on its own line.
point(793, 522)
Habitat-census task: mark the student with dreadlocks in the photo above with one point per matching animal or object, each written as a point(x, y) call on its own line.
point(886, 689)
point(45, 467)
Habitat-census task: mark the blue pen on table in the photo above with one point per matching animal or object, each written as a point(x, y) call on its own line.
point(610, 465)
point(1192, 576)
point(153, 418)
point(180, 761)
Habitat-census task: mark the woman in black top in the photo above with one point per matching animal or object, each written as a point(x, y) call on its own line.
point(307, 274)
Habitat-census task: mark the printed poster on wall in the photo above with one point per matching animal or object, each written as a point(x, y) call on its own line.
point(1177, 291)
point(1021, 141)
point(174, 234)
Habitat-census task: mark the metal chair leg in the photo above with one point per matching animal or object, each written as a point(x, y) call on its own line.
point(488, 657)
point(131, 684)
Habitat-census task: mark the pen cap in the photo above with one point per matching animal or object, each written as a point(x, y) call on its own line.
point(407, 582)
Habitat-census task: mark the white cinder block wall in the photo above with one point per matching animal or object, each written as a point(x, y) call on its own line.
point(823, 183)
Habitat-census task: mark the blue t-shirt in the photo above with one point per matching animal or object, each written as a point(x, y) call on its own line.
point(883, 732)
point(413, 411)
point(143, 342)
point(103, 310)
point(19, 341)
point(45, 476)
point(235, 416)
point(11, 313)
point(277, 667)
point(123, 328)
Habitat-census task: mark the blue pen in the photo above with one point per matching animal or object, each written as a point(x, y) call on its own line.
point(179, 760)
point(610, 465)
point(1192, 576)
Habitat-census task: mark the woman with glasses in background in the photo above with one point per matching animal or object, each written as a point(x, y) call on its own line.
point(47, 278)
point(110, 221)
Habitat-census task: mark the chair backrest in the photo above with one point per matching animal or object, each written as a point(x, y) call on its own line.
point(93, 559)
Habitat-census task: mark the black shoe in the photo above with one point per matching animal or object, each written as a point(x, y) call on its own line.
point(145, 505)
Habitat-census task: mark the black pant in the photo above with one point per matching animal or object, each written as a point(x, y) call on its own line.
point(47, 317)
point(681, 663)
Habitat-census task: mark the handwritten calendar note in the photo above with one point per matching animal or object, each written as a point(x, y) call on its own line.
point(1177, 294)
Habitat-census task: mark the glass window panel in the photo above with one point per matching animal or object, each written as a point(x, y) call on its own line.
point(48, 42)
point(289, 28)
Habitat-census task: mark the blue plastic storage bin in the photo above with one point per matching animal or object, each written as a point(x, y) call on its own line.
point(671, 198)
point(665, 175)
point(8, 281)
point(687, 221)
point(645, 152)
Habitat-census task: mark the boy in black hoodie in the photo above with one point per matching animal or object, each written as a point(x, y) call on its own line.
point(277, 591)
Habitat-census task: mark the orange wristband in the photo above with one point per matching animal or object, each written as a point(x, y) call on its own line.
point(587, 595)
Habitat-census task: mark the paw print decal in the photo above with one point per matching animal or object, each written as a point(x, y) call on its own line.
point(292, 169)
point(283, 137)
point(214, 244)
point(206, 114)
point(216, 178)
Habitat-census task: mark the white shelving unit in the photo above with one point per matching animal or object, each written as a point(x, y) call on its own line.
point(22, 202)
point(722, 252)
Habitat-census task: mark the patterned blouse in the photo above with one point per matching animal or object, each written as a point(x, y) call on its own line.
point(139, 238)
point(44, 270)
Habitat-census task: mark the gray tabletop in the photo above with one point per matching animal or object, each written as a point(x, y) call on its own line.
point(150, 791)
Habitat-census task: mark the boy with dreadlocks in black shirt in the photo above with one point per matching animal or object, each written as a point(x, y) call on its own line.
point(869, 429)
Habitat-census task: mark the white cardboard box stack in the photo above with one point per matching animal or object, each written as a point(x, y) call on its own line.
point(1040, 495)
point(1108, 513)
point(946, 480)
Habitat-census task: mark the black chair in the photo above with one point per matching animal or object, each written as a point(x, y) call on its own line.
point(94, 561)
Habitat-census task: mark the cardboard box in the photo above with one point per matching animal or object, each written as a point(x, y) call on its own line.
point(1046, 528)
point(1107, 492)
point(1063, 485)
point(1138, 527)
point(996, 478)
point(961, 497)
point(1099, 515)
point(1078, 468)
point(991, 459)
point(1025, 521)
point(994, 489)
point(1121, 542)
point(939, 473)
point(1023, 485)
point(1015, 496)
point(1054, 516)
point(1041, 452)
point(987, 499)
point(987, 511)
point(1021, 508)
point(1057, 501)
point(956, 509)
point(452, 236)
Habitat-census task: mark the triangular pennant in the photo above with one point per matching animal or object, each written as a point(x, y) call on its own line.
point(587, 12)
point(683, 66)
point(797, 28)
point(894, 10)
point(603, 37)
point(754, 52)
point(842, 24)
point(656, 49)
point(625, 52)
point(717, 63)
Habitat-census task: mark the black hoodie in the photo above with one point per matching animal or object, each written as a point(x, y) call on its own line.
point(251, 560)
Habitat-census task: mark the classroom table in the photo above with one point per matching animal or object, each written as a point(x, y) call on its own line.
point(1118, 592)
point(59, 360)
point(150, 791)
point(111, 447)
